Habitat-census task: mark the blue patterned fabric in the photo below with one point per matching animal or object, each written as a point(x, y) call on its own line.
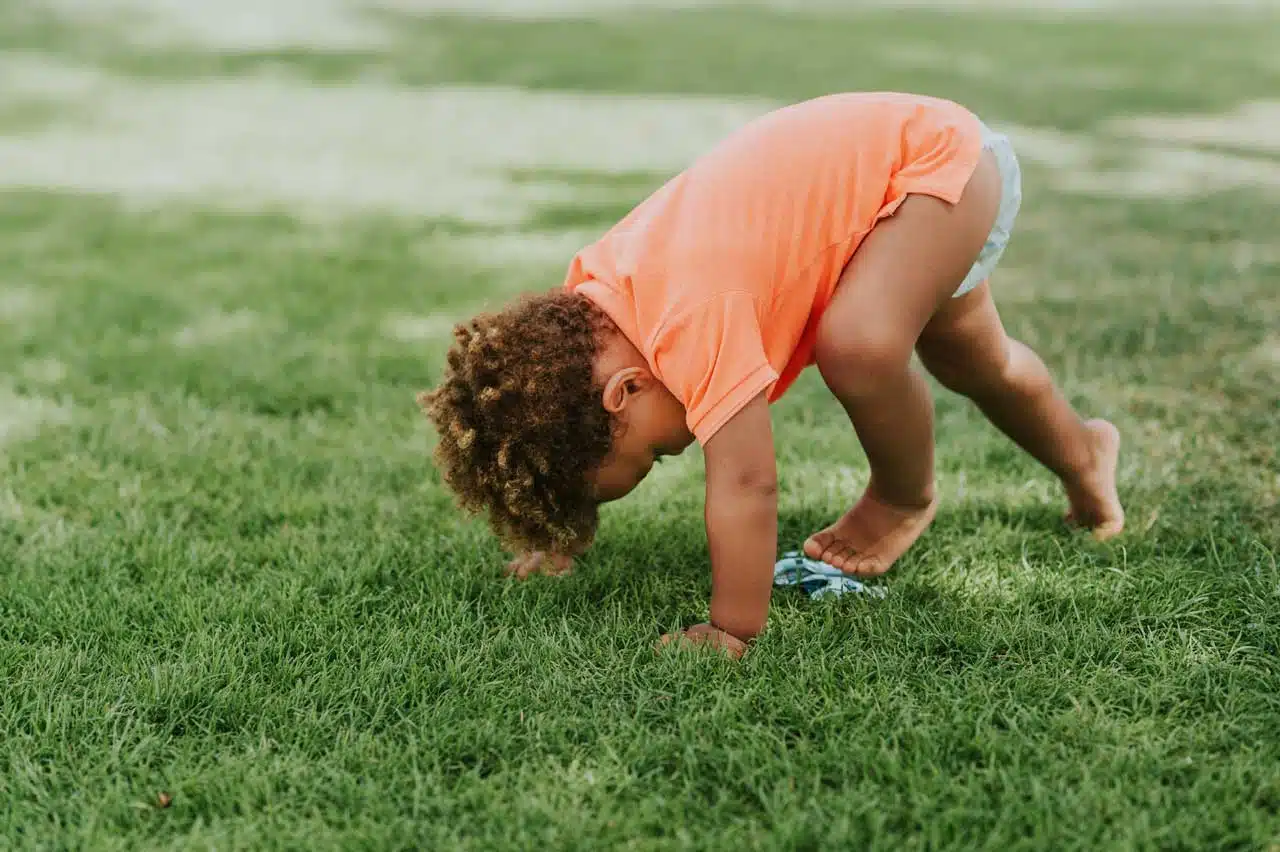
point(818, 579)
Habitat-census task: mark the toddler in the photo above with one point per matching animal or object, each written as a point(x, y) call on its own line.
point(846, 231)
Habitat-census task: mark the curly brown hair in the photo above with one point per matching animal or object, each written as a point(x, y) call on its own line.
point(520, 419)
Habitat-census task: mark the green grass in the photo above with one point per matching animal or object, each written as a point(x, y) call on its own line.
point(229, 573)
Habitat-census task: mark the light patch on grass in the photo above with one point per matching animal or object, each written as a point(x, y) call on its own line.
point(445, 152)
point(1079, 163)
point(348, 24)
point(23, 416)
point(28, 78)
point(17, 303)
point(41, 528)
point(450, 152)
point(314, 24)
point(232, 24)
point(1269, 351)
point(1265, 356)
point(1246, 255)
point(1252, 127)
point(1046, 146)
point(214, 328)
point(519, 250)
point(1176, 173)
point(47, 371)
point(10, 509)
point(410, 328)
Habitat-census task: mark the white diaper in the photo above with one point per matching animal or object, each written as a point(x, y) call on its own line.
point(1010, 200)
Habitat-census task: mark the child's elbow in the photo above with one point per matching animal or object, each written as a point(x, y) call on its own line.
point(756, 481)
point(752, 492)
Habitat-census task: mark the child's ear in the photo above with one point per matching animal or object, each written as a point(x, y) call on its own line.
point(620, 387)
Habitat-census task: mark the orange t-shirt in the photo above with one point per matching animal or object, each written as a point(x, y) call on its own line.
point(720, 277)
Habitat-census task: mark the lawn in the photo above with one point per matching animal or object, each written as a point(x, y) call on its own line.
point(239, 611)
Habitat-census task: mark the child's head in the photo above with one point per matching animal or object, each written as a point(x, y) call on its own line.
point(545, 411)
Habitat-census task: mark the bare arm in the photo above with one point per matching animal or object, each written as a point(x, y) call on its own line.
point(742, 520)
point(742, 526)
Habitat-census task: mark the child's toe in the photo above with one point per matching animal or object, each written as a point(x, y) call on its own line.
point(816, 545)
point(1108, 530)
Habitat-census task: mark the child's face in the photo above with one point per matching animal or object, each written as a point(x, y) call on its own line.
point(651, 423)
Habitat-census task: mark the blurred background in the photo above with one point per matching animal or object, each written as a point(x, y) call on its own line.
point(282, 207)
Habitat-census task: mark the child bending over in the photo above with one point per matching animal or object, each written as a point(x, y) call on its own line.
point(847, 232)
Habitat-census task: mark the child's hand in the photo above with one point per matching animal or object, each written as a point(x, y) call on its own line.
point(706, 634)
point(540, 562)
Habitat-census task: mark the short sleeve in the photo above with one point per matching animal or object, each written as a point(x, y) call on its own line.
point(712, 359)
point(943, 151)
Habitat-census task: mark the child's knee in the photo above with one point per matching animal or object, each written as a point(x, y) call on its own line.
point(854, 361)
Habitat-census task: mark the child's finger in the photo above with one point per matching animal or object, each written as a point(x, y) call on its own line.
point(521, 566)
point(722, 642)
point(557, 566)
point(668, 638)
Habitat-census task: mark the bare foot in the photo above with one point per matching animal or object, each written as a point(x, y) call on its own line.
point(870, 537)
point(1095, 504)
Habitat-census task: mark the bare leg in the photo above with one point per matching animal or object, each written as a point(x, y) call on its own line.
point(908, 266)
point(965, 346)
